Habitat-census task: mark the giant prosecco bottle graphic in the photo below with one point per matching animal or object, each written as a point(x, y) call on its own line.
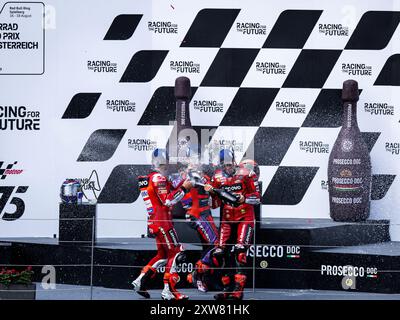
point(349, 168)
point(183, 149)
point(182, 94)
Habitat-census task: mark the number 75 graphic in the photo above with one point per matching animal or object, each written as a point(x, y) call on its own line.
point(6, 193)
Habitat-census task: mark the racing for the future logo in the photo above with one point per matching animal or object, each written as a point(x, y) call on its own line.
point(357, 69)
point(142, 144)
point(333, 29)
point(314, 146)
point(162, 27)
point(251, 28)
point(118, 105)
point(290, 107)
point(102, 66)
point(185, 66)
point(208, 106)
point(379, 108)
point(19, 118)
point(393, 147)
point(270, 67)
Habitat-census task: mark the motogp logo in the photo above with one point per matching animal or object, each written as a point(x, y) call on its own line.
point(9, 170)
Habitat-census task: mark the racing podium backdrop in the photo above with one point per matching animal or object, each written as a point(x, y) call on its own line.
point(90, 100)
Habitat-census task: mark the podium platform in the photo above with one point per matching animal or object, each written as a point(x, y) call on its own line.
point(5, 253)
point(288, 254)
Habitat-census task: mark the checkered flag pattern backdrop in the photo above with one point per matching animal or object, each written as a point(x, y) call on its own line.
point(285, 91)
point(266, 78)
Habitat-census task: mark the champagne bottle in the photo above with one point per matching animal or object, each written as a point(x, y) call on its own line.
point(180, 145)
point(182, 96)
point(185, 147)
point(349, 168)
point(226, 196)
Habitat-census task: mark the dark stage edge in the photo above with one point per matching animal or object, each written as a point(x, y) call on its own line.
point(71, 292)
point(313, 232)
point(380, 263)
point(289, 255)
point(102, 243)
point(272, 231)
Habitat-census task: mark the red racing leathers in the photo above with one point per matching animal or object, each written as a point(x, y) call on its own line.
point(159, 196)
point(241, 182)
point(197, 206)
point(198, 213)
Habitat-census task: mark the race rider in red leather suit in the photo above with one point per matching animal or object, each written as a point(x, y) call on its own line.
point(241, 182)
point(198, 213)
point(159, 196)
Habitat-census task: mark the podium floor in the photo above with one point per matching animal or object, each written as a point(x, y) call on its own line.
point(288, 258)
point(71, 292)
